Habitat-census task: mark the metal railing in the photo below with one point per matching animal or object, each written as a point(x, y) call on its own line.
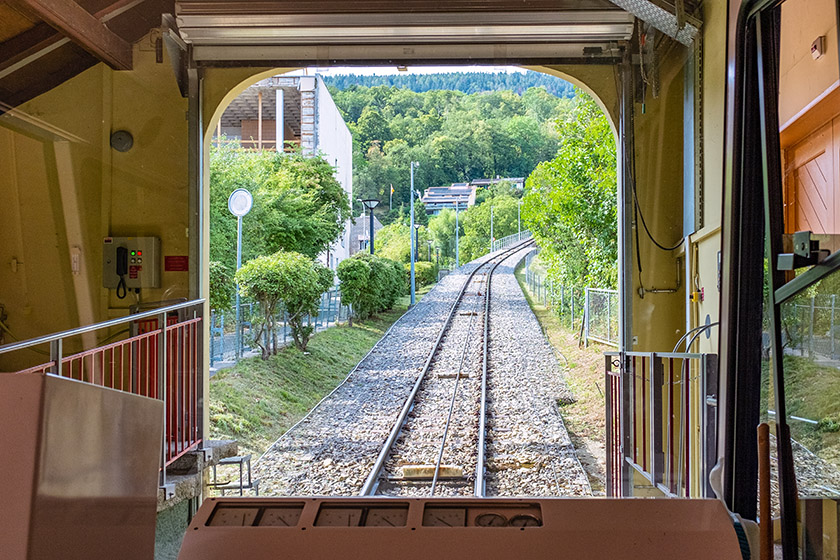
point(811, 327)
point(593, 310)
point(661, 422)
point(223, 326)
point(163, 363)
point(509, 240)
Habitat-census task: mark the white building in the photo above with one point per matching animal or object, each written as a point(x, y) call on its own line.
point(297, 111)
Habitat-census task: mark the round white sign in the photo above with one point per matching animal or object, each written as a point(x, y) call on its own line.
point(240, 202)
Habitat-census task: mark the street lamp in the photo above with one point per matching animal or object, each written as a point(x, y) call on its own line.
point(457, 243)
point(370, 204)
point(239, 204)
point(412, 165)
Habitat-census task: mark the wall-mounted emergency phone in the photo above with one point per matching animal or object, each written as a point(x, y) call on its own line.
point(129, 263)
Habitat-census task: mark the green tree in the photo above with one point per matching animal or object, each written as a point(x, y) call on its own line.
point(570, 201)
point(442, 229)
point(476, 222)
point(222, 287)
point(298, 204)
point(286, 279)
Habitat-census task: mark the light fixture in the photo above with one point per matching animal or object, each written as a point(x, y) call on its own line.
point(370, 204)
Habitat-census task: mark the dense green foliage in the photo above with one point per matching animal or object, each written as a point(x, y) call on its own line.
point(425, 273)
point(475, 224)
point(570, 201)
point(454, 136)
point(289, 279)
point(370, 283)
point(298, 204)
point(222, 288)
point(466, 82)
point(393, 242)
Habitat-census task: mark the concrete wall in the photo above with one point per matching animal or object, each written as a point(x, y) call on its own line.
point(63, 189)
point(336, 144)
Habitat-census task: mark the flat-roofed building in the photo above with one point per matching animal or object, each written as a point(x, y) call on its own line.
point(438, 198)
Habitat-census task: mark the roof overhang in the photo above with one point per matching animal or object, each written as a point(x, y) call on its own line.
point(242, 35)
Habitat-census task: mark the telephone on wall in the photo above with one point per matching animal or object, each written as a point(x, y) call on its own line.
point(129, 263)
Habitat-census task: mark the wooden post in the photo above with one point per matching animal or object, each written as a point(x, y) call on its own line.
point(259, 120)
point(764, 519)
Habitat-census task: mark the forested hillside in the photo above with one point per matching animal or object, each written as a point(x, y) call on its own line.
point(465, 82)
point(454, 136)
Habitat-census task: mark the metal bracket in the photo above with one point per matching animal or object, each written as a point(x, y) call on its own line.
point(177, 50)
point(806, 252)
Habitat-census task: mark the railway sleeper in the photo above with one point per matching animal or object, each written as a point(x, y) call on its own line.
point(427, 472)
point(453, 375)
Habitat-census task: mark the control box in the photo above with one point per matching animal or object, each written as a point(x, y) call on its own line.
point(134, 260)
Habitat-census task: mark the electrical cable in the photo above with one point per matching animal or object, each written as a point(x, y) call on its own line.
point(677, 245)
point(121, 289)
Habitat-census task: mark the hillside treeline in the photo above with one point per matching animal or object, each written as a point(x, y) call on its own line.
point(465, 82)
point(454, 136)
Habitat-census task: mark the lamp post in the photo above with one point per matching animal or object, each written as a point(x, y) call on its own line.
point(239, 204)
point(457, 244)
point(491, 229)
point(519, 220)
point(370, 204)
point(412, 165)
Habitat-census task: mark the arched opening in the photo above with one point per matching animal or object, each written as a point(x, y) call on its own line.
point(606, 100)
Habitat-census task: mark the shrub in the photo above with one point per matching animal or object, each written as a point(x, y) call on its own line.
point(289, 279)
point(425, 273)
point(370, 283)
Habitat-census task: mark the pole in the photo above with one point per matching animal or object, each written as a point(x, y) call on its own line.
point(457, 240)
point(519, 221)
point(391, 199)
point(371, 231)
point(411, 237)
point(491, 229)
point(238, 352)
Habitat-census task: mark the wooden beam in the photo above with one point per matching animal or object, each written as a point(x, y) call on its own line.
point(83, 29)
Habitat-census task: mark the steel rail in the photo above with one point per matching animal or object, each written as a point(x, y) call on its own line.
point(482, 412)
point(372, 481)
point(439, 461)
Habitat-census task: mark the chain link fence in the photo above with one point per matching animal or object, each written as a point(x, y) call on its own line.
point(811, 327)
point(223, 327)
point(592, 311)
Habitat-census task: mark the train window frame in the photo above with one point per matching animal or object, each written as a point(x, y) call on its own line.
point(753, 229)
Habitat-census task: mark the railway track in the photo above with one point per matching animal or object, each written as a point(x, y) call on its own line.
point(437, 444)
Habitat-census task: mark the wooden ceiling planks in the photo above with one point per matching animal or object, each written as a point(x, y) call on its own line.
point(35, 58)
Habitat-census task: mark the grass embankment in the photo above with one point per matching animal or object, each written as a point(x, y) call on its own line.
point(811, 391)
point(256, 401)
point(584, 418)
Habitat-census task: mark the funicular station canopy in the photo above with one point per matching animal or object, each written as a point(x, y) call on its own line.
point(74, 73)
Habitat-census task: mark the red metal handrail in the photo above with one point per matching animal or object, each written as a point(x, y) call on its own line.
point(133, 365)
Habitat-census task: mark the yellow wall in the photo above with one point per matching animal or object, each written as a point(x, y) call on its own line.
point(62, 186)
point(705, 244)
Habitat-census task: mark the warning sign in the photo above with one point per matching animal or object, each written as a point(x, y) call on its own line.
point(176, 263)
